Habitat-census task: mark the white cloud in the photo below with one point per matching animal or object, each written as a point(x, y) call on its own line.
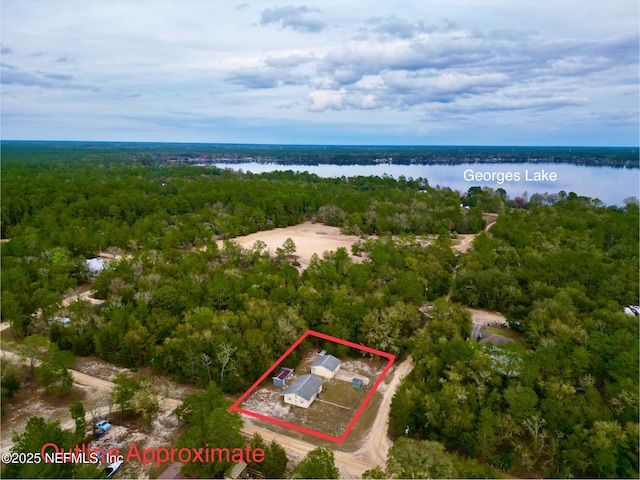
point(422, 63)
point(301, 18)
point(321, 100)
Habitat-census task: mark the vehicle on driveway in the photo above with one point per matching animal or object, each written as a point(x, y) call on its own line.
point(102, 425)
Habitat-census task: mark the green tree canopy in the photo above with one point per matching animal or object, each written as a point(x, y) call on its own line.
point(318, 463)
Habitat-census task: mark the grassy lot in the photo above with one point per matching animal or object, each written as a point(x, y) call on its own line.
point(505, 332)
point(321, 417)
point(340, 393)
point(353, 441)
point(330, 413)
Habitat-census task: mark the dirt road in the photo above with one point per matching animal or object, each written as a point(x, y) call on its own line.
point(347, 463)
point(377, 443)
point(463, 243)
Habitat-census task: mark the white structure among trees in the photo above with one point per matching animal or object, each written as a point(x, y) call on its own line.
point(325, 366)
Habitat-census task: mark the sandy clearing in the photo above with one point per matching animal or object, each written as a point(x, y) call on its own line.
point(486, 318)
point(82, 296)
point(309, 238)
point(318, 238)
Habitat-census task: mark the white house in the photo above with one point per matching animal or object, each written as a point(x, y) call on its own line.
point(325, 366)
point(303, 391)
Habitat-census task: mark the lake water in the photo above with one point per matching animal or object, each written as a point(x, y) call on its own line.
point(611, 185)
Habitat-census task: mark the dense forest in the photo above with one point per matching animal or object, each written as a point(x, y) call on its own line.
point(184, 301)
point(564, 402)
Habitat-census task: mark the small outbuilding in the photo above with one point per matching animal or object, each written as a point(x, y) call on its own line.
point(303, 391)
point(357, 383)
point(325, 366)
point(283, 376)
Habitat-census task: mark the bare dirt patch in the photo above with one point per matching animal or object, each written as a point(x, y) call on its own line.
point(98, 368)
point(495, 331)
point(487, 318)
point(93, 389)
point(309, 238)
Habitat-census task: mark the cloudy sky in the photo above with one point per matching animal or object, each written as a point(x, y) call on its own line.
point(421, 72)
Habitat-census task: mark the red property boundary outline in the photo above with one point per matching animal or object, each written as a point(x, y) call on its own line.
point(235, 407)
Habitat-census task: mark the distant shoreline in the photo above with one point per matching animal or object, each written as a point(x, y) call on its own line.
point(292, 155)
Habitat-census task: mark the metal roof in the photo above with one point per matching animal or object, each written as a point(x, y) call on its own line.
point(329, 362)
point(305, 386)
point(284, 373)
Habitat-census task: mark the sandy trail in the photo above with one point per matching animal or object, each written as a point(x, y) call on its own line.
point(463, 243)
point(78, 377)
point(82, 296)
point(93, 382)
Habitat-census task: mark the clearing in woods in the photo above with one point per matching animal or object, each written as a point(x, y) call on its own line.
point(336, 409)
